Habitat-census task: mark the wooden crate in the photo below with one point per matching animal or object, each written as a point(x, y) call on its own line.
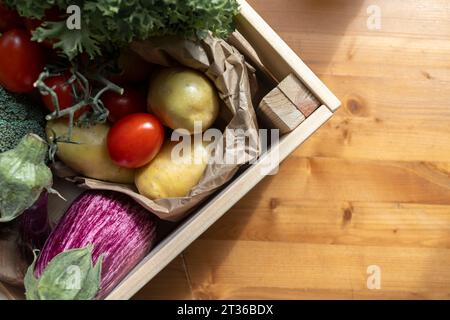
point(277, 59)
point(281, 61)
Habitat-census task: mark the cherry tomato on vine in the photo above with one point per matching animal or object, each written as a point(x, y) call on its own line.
point(64, 90)
point(135, 140)
point(120, 106)
point(9, 19)
point(21, 61)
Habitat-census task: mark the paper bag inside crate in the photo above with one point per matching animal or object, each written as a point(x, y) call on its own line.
point(228, 71)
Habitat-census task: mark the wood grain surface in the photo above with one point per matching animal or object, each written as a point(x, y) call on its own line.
point(372, 187)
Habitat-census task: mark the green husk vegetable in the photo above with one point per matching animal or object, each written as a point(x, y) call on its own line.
point(106, 24)
point(71, 275)
point(23, 176)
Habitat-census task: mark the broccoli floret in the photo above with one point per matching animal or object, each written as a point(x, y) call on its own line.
point(18, 117)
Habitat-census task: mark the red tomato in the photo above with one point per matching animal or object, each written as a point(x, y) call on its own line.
point(64, 92)
point(9, 19)
point(132, 68)
point(21, 61)
point(62, 89)
point(135, 140)
point(120, 106)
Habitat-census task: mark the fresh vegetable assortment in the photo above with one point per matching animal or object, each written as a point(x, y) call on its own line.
point(84, 98)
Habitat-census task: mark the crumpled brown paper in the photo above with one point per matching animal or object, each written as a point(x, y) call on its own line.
point(12, 265)
point(227, 69)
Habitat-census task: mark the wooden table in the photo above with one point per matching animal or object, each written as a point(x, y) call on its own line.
point(371, 188)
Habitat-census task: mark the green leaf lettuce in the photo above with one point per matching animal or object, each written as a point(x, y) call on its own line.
point(108, 24)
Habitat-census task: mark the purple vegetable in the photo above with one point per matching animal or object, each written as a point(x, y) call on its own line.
point(12, 265)
point(104, 233)
point(35, 226)
point(20, 237)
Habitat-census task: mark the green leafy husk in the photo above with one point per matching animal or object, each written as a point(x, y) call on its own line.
point(23, 176)
point(70, 275)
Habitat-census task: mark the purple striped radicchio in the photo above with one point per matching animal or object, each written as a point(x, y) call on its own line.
point(98, 241)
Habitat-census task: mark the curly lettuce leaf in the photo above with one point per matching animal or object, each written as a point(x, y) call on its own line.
point(30, 9)
point(70, 42)
point(110, 24)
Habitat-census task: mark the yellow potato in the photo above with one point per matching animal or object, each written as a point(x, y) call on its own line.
point(179, 97)
point(169, 177)
point(90, 156)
